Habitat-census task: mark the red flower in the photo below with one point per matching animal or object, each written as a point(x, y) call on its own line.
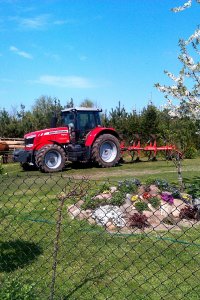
point(146, 195)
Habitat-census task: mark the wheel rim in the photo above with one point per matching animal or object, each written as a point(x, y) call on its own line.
point(53, 159)
point(108, 151)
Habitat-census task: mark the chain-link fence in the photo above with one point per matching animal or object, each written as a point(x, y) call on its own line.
point(65, 238)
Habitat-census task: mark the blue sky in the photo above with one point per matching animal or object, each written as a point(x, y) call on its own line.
point(103, 50)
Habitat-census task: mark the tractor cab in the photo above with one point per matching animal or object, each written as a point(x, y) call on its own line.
point(80, 120)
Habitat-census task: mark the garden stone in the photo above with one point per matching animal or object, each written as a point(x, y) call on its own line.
point(87, 213)
point(165, 209)
point(179, 203)
point(91, 221)
point(176, 210)
point(73, 211)
point(154, 190)
point(165, 227)
point(196, 203)
point(79, 203)
point(141, 190)
point(185, 223)
point(176, 207)
point(128, 196)
point(113, 189)
point(154, 220)
point(111, 227)
point(151, 207)
point(81, 216)
point(109, 213)
point(132, 212)
point(147, 213)
point(126, 207)
point(158, 215)
point(103, 196)
point(128, 200)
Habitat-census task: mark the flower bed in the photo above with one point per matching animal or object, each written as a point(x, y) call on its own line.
point(131, 206)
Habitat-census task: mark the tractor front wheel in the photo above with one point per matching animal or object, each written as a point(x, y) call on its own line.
point(51, 158)
point(106, 151)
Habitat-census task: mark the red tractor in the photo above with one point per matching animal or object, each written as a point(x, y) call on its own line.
point(80, 138)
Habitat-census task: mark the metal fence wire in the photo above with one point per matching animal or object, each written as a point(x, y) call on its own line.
point(66, 238)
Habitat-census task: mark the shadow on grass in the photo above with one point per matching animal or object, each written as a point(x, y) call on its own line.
point(81, 284)
point(17, 254)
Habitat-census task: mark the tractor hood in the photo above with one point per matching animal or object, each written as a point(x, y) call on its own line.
point(46, 132)
point(37, 139)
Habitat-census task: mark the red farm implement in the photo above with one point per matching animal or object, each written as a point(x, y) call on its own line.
point(151, 147)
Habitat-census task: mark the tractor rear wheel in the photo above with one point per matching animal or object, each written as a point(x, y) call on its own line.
point(51, 158)
point(106, 151)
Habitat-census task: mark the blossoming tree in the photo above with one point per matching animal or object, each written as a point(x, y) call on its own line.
point(186, 86)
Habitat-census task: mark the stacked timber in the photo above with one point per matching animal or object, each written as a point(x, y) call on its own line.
point(7, 146)
point(13, 143)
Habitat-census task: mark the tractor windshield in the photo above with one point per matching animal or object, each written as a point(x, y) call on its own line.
point(68, 119)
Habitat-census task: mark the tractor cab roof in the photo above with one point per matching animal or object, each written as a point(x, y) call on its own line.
point(74, 109)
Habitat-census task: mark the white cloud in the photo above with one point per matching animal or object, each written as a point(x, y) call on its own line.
point(66, 81)
point(83, 57)
point(63, 22)
point(38, 22)
point(20, 53)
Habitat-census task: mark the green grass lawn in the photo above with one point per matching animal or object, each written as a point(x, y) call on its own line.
point(142, 170)
point(92, 263)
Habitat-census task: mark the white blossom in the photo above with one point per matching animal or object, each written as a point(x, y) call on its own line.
point(195, 35)
point(183, 7)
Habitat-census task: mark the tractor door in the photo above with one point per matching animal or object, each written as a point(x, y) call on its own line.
point(86, 121)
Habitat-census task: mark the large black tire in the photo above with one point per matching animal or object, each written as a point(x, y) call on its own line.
point(106, 151)
point(51, 158)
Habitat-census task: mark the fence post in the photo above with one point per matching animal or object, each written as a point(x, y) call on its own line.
point(56, 245)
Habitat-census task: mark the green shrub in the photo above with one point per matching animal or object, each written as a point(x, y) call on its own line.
point(91, 203)
point(117, 198)
point(128, 186)
point(194, 188)
point(191, 153)
point(141, 206)
point(160, 183)
point(16, 289)
point(155, 202)
point(104, 187)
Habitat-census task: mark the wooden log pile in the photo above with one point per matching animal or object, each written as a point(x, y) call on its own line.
point(7, 146)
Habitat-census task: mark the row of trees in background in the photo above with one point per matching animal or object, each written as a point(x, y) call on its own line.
point(181, 130)
point(179, 124)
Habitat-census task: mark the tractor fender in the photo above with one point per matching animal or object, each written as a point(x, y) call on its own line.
point(96, 132)
point(50, 142)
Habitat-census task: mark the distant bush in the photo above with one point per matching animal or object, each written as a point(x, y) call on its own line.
point(191, 153)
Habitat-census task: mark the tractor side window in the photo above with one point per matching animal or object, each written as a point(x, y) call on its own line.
point(86, 121)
